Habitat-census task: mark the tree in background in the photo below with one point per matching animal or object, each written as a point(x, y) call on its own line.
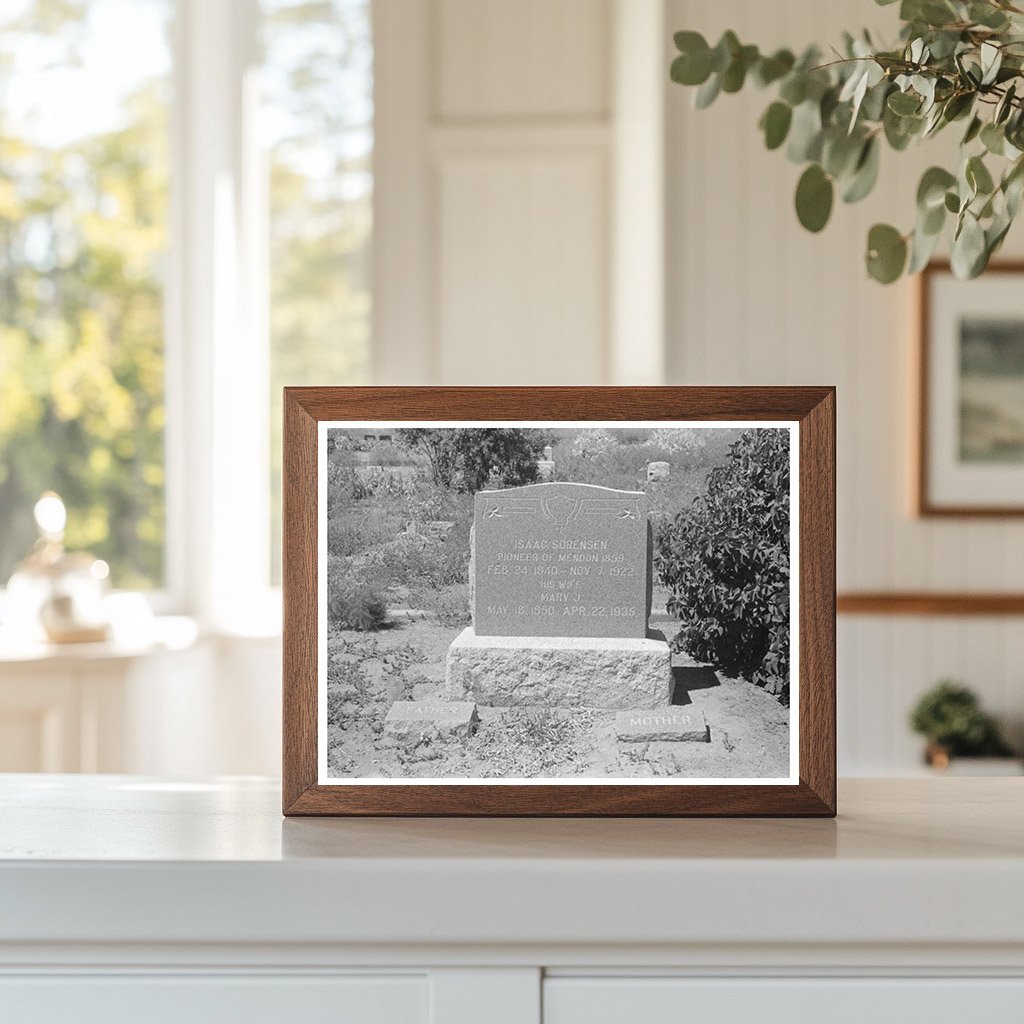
point(725, 561)
point(82, 228)
point(468, 459)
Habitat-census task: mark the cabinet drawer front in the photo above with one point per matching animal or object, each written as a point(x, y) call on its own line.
point(782, 1000)
point(202, 999)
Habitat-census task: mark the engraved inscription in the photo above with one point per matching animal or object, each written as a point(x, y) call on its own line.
point(561, 560)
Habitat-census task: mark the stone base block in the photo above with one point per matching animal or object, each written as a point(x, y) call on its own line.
point(557, 671)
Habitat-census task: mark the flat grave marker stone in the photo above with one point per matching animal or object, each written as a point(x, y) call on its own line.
point(411, 720)
point(679, 724)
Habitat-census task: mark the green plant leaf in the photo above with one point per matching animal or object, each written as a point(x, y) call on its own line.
point(931, 191)
point(952, 202)
point(794, 88)
point(903, 103)
point(693, 65)
point(814, 194)
point(958, 106)
point(865, 173)
point(805, 133)
point(775, 124)
point(886, 253)
point(839, 151)
point(899, 130)
point(987, 15)
point(1005, 105)
point(993, 138)
point(725, 49)
point(991, 57)
point(735, 74)
point(931, 221)
point(922, 247)
point(771, 69)
point(968, 255)
point(707, 93)
point(973, 129)
point(978, 176)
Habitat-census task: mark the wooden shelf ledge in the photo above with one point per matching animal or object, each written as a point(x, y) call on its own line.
point(928, 603)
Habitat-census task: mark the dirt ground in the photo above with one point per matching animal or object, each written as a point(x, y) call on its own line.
point(367, 672)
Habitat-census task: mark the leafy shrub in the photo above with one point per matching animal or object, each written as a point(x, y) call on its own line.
point(949, 715)
point(353, 604)
point(725, 561)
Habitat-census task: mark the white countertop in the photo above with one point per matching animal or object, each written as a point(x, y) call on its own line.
point(121, 859)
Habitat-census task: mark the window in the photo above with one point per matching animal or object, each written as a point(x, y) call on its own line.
point(317, 116)
point(83, 235)
point(239, 217)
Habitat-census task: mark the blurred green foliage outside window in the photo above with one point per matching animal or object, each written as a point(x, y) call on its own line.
point(83, 235)
point(317, 117)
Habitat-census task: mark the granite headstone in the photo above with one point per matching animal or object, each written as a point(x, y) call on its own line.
point(561, 559)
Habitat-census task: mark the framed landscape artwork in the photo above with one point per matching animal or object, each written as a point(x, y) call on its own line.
point(559, 601)
point(970, 451)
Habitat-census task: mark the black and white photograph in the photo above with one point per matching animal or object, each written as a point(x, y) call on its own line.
point(542, 602)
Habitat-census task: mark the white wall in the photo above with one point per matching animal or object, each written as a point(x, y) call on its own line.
point(501, 156)
point(754, 299)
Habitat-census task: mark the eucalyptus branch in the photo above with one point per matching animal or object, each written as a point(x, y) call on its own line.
point(955, 61)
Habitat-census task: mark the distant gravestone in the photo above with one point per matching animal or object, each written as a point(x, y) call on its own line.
point(658, 471)
point(561, 580)
point(546, 464)
point(561, 559)
point(413, 720)
point(679, 724)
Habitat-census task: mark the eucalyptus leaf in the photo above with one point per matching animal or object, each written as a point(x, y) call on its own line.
point(968, 248)
point(1005, 105)
point(978, 176)
point(775, 124)
point(840, 152)
point(724, 51)
point(904, 103)
point(922, 248)
point(991, 60)
point(886, 253)
point(735, 74)
point(931, 190)
point(993, 138)
point(973, 130)
point(794, 88)
point(805, 133)
point(771, 69)
point(814, 195)
point(865, 173)
point(987, 15)
point(707, 93)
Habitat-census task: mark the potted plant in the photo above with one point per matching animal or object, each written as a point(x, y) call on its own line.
point(956, 62)
point(950, 718)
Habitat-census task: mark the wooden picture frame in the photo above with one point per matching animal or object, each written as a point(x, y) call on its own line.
point(941, 489)
point(808, 413)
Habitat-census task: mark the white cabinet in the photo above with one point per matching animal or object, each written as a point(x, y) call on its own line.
point(127, 899)
point(828, 1000)
point(202, 999)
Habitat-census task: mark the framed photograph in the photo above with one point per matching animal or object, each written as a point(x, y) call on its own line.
point(559, 601)
point(970, 450)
